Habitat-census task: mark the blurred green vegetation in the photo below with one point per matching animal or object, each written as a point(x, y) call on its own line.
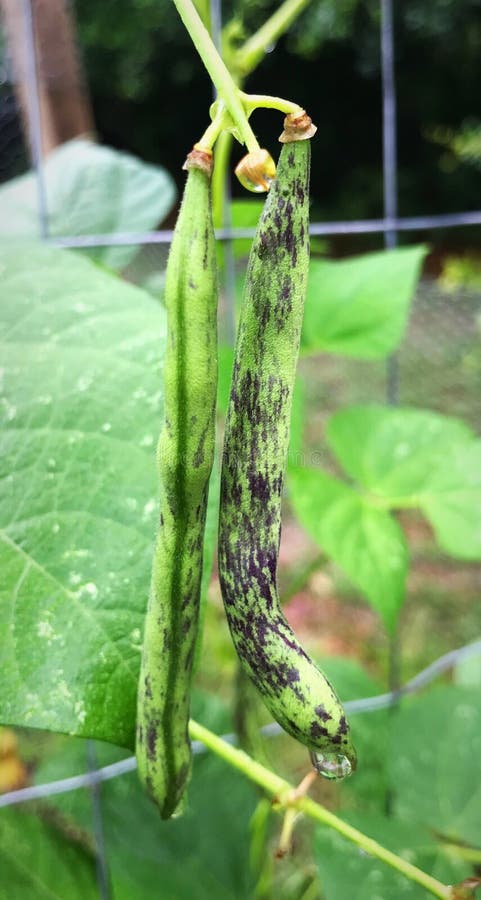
point(151, 95)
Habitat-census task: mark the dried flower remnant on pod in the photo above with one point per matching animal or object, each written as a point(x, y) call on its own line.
point(297, 127)
point(256, 171)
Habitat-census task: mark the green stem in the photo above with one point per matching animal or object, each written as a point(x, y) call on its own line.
point(313, 891)
point(322, 815)
point(249, 56)
point(388, 503)
point(203, 8)
point(221, 216)
point(264, 101)
point(213, 130)
point(394, 683)
point(283, 793)
point(217, 70)
point(221, 162)
point(469, 854)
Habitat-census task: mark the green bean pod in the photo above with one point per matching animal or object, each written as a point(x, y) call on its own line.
point(256, 440)
point(185, 457)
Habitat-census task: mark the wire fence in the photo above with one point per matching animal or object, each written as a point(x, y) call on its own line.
point(318, 229)
point(389, 226)
point(354, 707)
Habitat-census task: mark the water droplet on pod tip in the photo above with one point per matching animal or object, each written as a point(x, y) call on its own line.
point(334, 766)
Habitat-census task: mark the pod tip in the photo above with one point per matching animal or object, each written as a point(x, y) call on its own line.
point(200, 158)
point(297, 127)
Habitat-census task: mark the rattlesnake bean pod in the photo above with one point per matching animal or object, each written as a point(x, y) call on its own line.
point(185, 457)
point(255, 450)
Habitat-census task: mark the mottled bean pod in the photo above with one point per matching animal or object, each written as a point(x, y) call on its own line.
point(255, 451)
point(185, 457)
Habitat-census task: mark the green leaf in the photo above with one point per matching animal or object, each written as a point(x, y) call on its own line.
point(452, 501)
point(393, 452)
point(351, 679)
point(38, 862)
point(434, 762)
point(359, 307)
point(203, 853)
point(467, 671)
point(145, 852)
point(90, 190)
point(416, 458)
point(82, 408)
point(244, 214)
point(367, 543)
point(320, 246)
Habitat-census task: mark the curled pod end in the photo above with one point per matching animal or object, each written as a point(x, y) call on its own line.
point(256, 171)
point(297, 127)
point(200, 158)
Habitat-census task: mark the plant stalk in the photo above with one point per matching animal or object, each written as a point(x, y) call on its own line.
point(203, 8)
point(250, 54)
point(391, 503)
point(284, 794)
point(217, 70)
point(212, 131)
point(221, 162)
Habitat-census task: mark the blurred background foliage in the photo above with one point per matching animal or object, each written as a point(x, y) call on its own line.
point(150, 93)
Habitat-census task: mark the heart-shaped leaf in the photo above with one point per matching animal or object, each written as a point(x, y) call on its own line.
point(359, 307)
point(452, 501)
point(89, 189)
point(367, 543)
point(393, 452)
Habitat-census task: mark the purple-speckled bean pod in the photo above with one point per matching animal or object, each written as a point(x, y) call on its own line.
point(185, 456)
point(255, 449)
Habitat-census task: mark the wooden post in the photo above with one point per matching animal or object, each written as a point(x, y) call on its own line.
point(65, 110)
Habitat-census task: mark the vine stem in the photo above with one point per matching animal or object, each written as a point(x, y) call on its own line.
point(285, 796)
point(221, 161)
point(217, 70)
point(212, 132)
point(255, 101)
point(250, 54)
point(389, 503)
point(203, 8)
